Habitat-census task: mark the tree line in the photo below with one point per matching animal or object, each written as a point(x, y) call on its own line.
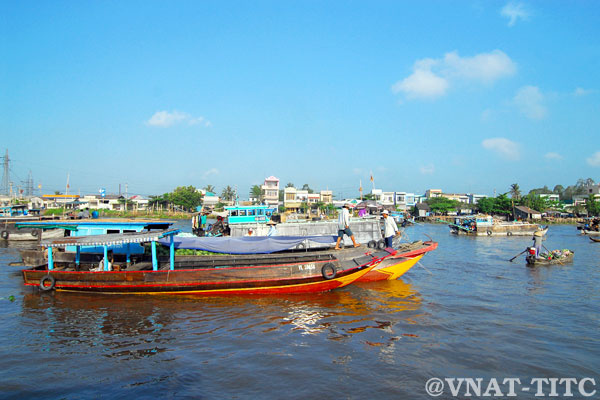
point(504, 205)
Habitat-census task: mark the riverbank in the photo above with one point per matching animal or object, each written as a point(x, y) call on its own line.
point(442, 219)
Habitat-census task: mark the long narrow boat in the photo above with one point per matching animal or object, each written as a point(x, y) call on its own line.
point(292, 272)
point(590, 233)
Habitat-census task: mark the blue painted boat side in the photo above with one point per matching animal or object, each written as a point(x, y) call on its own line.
point(249, 214)
point(99, 227)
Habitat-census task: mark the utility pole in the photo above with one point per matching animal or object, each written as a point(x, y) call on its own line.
point(5, 176)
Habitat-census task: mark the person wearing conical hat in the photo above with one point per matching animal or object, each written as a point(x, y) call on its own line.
point(537, 242)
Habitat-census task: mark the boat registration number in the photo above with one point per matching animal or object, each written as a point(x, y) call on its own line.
point(307, 267)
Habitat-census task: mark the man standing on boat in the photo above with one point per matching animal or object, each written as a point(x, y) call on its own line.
point(344, 227)
point(390, 228)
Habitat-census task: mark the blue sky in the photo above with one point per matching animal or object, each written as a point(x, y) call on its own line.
point(465, 96)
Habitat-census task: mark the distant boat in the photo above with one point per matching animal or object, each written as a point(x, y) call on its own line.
point(590, 233)
point(488, 226)
point(593, 239)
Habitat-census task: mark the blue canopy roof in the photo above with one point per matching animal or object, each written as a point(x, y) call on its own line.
point(245, 245)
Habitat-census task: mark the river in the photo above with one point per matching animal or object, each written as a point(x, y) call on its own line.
point(463, 312)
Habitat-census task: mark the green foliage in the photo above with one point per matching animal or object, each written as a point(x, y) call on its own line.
point(515, 191)
point(209, 188)
point(256, 192)
point(228, 193)
point(191, 252)
point(535, 202)
point(186, 196)
point(306, 187)
point(441, 205)
point(495, 205)
point(592, 206)
point(538, 191)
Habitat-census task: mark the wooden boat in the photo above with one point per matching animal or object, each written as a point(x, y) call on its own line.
point(590, 233)
point(533, 260)
point(485, 225)
point(12, 216)
point(84, 227)
point(404, 258)
point(293, 272)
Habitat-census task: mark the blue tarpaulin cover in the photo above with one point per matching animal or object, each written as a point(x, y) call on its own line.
point(246, 244)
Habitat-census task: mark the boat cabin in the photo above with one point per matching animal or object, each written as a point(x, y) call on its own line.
point(249, 214)
point(76, 228)
point(14, 210)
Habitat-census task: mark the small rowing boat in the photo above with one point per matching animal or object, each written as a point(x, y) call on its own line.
point(554, 257)
point(593, 239)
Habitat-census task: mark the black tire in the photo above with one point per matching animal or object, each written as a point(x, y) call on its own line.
point(301, 246)
point(372, 244)
point(328, 271)
point(48, 278)
point(4, 235)
point(35, 233)
point(381, 244)
point(489, 233)
point(508, 233)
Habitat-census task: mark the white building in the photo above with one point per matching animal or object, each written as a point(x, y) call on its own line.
point(270, 191)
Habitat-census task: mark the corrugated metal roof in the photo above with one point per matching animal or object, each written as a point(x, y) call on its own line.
point(110, 239)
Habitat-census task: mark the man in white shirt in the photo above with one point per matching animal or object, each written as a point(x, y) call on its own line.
point(344, 227)
point(389, 228)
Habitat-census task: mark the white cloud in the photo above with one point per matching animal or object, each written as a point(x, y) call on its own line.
point(421, 84)
point(431, 78)
point(507, 149)
point(210, 172)
point(553, 156)
point(594, 160)
point(484, 67)
point(165, 119)
point(530, 100)
point(514, 11)
point(427, 169)
point(582, 92)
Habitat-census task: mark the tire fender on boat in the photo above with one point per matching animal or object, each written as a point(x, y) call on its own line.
point(489, 233)
point(508, 233)
point(328, 271)
point(47, 278)
point(35, 233)
point(4, 235)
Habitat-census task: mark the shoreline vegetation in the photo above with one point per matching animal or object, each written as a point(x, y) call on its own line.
point(178, 215)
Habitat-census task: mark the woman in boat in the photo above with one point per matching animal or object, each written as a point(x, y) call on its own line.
point(272, 228)
point(537, 242)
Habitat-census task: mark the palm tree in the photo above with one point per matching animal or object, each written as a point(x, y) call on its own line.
point(256, 192)
point(209, 188)
point(228, 193)
point(515, 191)
point(515, 194)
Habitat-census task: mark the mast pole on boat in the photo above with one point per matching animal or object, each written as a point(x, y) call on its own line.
point(50, 259)
point(154, 260)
